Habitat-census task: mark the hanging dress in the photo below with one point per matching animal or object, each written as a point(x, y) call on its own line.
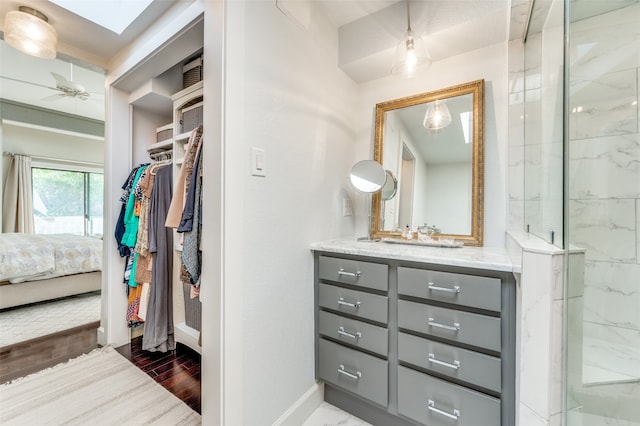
point(158, 327)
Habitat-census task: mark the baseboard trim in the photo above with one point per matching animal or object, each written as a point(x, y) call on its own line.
point(102, 336)
point(303, 407)
point(187, 336)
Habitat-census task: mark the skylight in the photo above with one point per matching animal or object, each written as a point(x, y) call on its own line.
point(114, 15)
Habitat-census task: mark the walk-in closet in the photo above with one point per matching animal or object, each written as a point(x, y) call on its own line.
point(155, 103)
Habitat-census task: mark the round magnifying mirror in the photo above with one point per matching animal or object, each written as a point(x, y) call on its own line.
point(390, 187)
point(368, 176)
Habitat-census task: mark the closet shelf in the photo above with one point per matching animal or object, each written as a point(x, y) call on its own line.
point(189, 90)
point(160, 146)
point(154, 95)
point(178, 161)
point(183, 137)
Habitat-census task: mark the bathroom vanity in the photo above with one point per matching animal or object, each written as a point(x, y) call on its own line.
point(410, 335)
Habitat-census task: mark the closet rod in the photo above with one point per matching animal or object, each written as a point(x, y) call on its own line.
point(61, 160)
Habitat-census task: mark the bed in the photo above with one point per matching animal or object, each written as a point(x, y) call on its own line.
point(35, 268)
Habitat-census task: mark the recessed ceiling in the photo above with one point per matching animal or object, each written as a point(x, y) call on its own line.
point(369, 30)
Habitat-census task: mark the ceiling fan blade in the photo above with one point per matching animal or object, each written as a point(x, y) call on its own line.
point(60, 79)
point(54, 97)
point(63, 83)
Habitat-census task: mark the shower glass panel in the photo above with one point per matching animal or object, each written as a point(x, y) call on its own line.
point(543, 121)
point(602, 213)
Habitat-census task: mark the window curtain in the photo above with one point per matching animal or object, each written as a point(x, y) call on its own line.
point(18, 197)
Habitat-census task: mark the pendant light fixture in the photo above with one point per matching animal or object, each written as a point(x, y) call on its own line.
point(438, 116)
point(28, 30)
point(411, 54)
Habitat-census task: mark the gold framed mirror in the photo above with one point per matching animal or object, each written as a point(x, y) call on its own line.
point(433, 143)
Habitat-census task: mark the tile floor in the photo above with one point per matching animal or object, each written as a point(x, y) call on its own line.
point(329, 415)
point(20, 325)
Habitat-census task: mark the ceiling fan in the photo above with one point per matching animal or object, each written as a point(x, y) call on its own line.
point(69, 89)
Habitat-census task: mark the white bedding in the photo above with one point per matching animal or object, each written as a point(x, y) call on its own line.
point(26, 257)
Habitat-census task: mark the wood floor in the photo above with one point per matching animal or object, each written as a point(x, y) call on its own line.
point(177, 371)
point(23, 358)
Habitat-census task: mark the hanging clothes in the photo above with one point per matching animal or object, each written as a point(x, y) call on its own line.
point(151, 209)
point(183, 209)
point(143, 271)
point(158, 327)
point(120, 225)
point(177, 203)
point(131, 219)
point(191, 255)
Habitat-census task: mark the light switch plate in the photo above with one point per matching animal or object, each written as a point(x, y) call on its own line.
point(258, 162)
point(347, 208)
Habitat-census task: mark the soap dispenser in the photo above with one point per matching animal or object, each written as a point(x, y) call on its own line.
point(407, 234)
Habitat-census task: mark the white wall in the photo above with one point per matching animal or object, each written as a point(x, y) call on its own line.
point(490, 64)
point(448, 185)
point(39, 142)
point(284, 94)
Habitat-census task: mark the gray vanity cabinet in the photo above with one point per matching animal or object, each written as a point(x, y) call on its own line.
point(410, 343)
point(352, 321)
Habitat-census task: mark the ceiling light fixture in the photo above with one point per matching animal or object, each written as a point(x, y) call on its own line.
point(411, 54)
point(28, 30)
point(438, 116)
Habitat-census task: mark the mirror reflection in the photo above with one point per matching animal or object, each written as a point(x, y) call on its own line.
point(390, 187)
point(52, 141)
point(433, 144)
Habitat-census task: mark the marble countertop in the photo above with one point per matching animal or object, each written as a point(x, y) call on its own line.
point(493, 258)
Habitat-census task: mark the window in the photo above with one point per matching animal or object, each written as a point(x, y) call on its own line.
point(66, 201)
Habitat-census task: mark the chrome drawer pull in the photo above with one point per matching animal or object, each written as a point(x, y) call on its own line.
point(455, 289)
point(354, 376)
point(342, 302)
point(349, 274)
point(356, 336)
point(455, 365)
point(432, 407)
point(454, 327)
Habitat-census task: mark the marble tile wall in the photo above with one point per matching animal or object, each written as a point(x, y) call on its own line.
point(604, 189)
point(541, 334)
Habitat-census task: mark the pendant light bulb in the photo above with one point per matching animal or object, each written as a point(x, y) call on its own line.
point(437, 117)
point(411, 55)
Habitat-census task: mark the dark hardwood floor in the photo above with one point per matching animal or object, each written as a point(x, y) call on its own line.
point(30, 356)
point(177, 371)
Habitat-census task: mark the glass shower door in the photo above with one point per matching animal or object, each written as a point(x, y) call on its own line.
point(602, 213)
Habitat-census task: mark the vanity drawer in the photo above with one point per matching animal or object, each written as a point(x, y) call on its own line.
point(466, 290)
point(472, 367)
point(354, 272)
point(434, 402)
point(353, 302)
point(353, 332)
point(352, 370)
point(464, 327)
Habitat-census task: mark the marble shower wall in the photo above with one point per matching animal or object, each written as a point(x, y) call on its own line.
point(604, 188)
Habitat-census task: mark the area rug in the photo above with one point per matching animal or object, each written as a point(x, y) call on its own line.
point(99, 388)
point(30, 322)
